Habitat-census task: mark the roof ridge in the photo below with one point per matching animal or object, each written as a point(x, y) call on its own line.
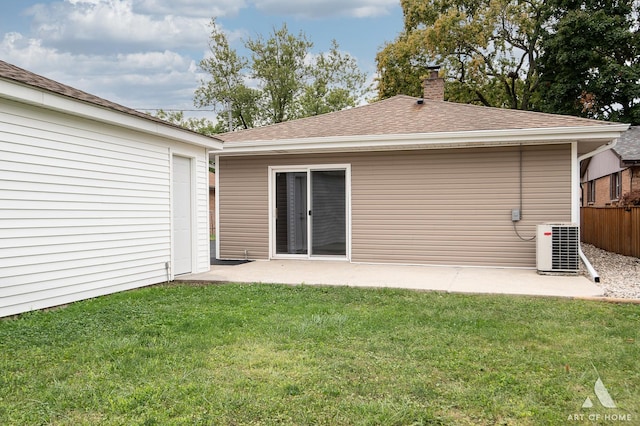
point(521, 111)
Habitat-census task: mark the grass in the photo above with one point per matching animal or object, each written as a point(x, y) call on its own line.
point(265, 354)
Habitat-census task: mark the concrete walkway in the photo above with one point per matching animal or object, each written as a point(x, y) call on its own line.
point(449, 279)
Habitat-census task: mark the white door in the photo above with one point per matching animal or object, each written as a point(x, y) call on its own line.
point(181, 215)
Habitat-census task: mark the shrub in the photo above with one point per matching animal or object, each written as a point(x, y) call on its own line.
point(631, 198)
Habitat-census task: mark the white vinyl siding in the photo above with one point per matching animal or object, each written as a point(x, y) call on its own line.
point(201, 207)
point(84, 208)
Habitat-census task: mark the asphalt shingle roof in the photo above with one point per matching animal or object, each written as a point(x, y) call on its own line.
point(628, 145)
point(12, 72)
point(403, 115)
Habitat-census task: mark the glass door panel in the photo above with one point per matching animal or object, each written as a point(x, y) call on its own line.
point(291, 213)
point(328, 213)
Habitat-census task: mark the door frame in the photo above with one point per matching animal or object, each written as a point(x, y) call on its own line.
point(308, 168)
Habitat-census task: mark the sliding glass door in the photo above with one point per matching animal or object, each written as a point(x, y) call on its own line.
point(310, 212)
point(328, 208)
point(291, 213)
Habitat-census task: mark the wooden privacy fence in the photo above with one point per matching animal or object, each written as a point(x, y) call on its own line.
point(615, 229)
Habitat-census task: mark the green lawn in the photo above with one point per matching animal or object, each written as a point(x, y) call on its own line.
point(264, 354)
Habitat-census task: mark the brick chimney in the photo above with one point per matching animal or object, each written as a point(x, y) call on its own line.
point(434, 85)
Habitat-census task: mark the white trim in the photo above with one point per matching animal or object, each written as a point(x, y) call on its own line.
point(46, 99)
point(440, 140)
point(217, 206)
point(575, 184)
point(170, 274)
point(347, 189)
point(272, 223)
point(270, 210)
point(193, 165)
point(307, 168)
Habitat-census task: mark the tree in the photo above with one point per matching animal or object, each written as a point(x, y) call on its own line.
point(591, 61)
point(289, 81)
point(488, 50)
point(335, 82)
point(226, 87)
point(200, 125)
point(279, 64)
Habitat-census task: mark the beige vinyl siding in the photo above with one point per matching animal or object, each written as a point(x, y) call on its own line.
point(84, 208)
point(439, 207)
point(243, 208)
point(453, 207)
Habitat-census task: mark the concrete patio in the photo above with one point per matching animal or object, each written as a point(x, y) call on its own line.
point(447, 279)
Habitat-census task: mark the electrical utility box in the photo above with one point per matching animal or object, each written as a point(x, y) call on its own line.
point(557, 247)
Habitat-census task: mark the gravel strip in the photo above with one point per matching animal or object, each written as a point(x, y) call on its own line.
point(619, 275)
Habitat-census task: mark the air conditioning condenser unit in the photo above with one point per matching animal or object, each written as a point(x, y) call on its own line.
point(557, 247)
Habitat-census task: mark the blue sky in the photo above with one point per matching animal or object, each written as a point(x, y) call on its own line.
point(144, 53)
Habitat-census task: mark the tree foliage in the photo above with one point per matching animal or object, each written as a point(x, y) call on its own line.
point(278, 63)
point(282, 79)
point(487, 48)
point(226, 84)
point(199, 125)
point(579, 57)
point(334, 83)
point(591, 60)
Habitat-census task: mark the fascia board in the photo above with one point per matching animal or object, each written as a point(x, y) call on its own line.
point(466, 139)
point(42, 98)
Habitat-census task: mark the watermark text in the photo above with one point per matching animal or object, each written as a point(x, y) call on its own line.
point(596, 417)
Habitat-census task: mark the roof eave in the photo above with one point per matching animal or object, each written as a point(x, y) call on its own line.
point(22, 93)
point(441, 140)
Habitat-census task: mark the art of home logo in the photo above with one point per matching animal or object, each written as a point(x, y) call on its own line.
point(603, 396)
point(605, 400)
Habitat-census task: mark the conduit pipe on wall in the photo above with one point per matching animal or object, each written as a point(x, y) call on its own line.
point(594, 274)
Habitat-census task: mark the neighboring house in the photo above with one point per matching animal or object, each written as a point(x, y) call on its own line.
point(609, 175)
point(404, 181)
point(95, 198)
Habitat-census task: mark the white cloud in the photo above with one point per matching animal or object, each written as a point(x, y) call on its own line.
point(194, 8)
point(144, 53)
point(30, 54)
point(112, 25)
point(138, 80)
point(326, 8)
